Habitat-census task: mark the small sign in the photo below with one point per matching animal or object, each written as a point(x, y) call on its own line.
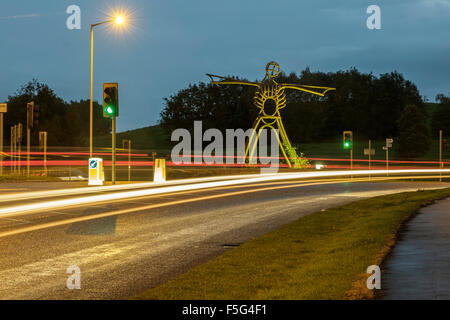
point(389, 145)
point(366, 152)
point(389, 140)
point(96, 175)
point(3, 107)
point(385, 148)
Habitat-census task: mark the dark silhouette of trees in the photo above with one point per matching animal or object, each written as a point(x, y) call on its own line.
point(441, 117)
point(370, 106)
point(414, 135)
point(67, 124)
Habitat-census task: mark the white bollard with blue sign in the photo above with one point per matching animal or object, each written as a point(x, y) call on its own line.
point(96, 176)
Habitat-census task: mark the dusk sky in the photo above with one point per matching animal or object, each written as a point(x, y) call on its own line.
point(172, 43)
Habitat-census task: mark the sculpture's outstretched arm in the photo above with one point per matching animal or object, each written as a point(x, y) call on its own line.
point(222, 80)
point(306, 88)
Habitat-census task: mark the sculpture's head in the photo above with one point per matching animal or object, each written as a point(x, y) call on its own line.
point(272, 69)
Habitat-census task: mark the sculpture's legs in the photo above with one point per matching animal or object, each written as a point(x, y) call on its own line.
point(252, 140)
point(281, 137)
point(285, 140)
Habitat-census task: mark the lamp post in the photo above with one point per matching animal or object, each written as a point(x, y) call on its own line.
point(118, 20)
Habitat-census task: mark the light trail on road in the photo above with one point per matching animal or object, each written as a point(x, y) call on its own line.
point(194, 199)
point(46, 205)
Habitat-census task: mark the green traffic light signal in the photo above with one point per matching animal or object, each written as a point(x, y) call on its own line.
point(110, 100)
point(109, 110)
point(348, 139)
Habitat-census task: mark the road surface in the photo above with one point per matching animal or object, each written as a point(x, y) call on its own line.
point(419, 265)
point(126, 246)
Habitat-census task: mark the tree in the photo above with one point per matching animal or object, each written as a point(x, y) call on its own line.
point(441, 116)
point(358, 104)
point(67, 124)
point(414, 135)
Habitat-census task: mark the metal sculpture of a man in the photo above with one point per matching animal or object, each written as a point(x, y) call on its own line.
point(270, 98)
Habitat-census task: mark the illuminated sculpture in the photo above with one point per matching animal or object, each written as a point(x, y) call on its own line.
point(270, 98)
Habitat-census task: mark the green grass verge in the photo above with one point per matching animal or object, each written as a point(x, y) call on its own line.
point(148, 138)
point(20, 178)
point(320, 256)
point(154, 138)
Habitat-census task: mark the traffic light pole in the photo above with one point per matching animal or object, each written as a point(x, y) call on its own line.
point(351, 159)
point(113, 120)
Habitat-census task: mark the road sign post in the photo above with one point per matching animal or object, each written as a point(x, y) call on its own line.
point(126, 144)
point(30, 113)
point(43, 145)
point(96, 176)
point(3, 109)
point(19, 132)
point(389, 142)
point(369, 152)
point(11, 149)
point(441, 164)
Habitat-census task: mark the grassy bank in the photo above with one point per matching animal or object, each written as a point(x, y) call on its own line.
point(21, 178)
point(321, 256)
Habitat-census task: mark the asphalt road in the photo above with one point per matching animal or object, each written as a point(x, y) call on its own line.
point(127, 251)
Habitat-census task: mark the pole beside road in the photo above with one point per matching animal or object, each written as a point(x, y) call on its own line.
point(113, 174)
point(3, 109)
point(441, 164)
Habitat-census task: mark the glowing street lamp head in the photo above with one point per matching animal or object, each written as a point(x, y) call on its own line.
point(119, 20)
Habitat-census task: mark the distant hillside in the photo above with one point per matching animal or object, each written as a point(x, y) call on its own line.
point(148, 138)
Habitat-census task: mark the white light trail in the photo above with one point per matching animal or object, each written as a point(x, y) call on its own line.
point(48, 205)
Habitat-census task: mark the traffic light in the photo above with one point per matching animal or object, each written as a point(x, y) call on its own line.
point(110, 100)
point(348, 139)
point(36, 115)
point(30, 113)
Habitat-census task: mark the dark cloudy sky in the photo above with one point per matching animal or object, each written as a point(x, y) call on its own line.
point(172, 43)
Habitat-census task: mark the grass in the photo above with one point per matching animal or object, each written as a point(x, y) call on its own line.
point(320, 256)
point(148, 138)
point(22, 178)
point(153, 138)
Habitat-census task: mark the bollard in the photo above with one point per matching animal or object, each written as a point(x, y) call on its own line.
point(159, 171)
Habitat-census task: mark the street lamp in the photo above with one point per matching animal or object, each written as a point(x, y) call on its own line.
point(119, 20)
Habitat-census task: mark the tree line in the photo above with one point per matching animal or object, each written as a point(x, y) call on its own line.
point(375, 107)
point(66, 123)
